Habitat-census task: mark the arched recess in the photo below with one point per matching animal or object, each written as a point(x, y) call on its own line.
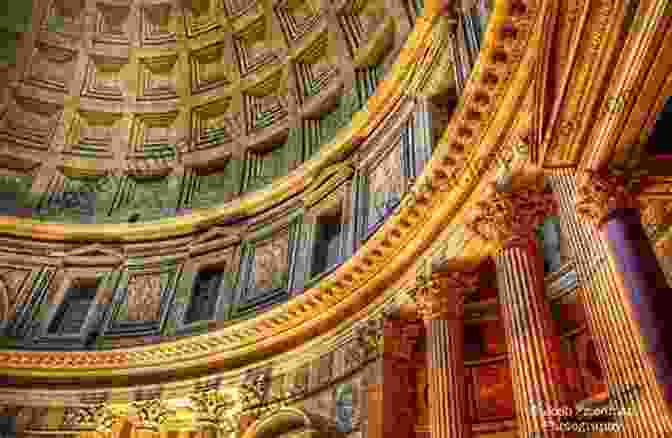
point(291, 421)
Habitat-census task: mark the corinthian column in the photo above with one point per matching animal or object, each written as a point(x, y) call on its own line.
point(616, 336)
point(539, 385)
point(603, 201)
point(441, 305)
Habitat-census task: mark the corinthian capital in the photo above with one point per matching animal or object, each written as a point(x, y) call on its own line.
point(443, 296)
point(512, 215)
point(598, 194)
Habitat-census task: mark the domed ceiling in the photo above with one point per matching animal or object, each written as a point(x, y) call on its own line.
point(126, 111)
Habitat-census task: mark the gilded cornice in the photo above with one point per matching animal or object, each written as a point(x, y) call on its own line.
point(463, 155)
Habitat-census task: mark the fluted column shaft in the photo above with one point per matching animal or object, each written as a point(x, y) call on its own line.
point(609, 318)
point(441, 304)
point(534, 347)
point(447, 391)
point(539, 385)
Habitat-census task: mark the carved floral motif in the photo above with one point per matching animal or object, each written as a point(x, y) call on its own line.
point(508, 216)
point(215, 409)
point(79, 416)
point(150, 414)
point(443, 297)
point(598, 194)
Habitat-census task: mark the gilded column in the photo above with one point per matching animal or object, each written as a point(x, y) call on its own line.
point(539, 384)
point(441, 304)
point(604, 201)
point(632, 383)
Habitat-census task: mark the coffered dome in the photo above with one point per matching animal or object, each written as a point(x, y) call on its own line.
point(124, 110)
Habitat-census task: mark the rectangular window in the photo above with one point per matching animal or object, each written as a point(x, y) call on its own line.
point(74, 309)
point(204, 298)
point(327, 243)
